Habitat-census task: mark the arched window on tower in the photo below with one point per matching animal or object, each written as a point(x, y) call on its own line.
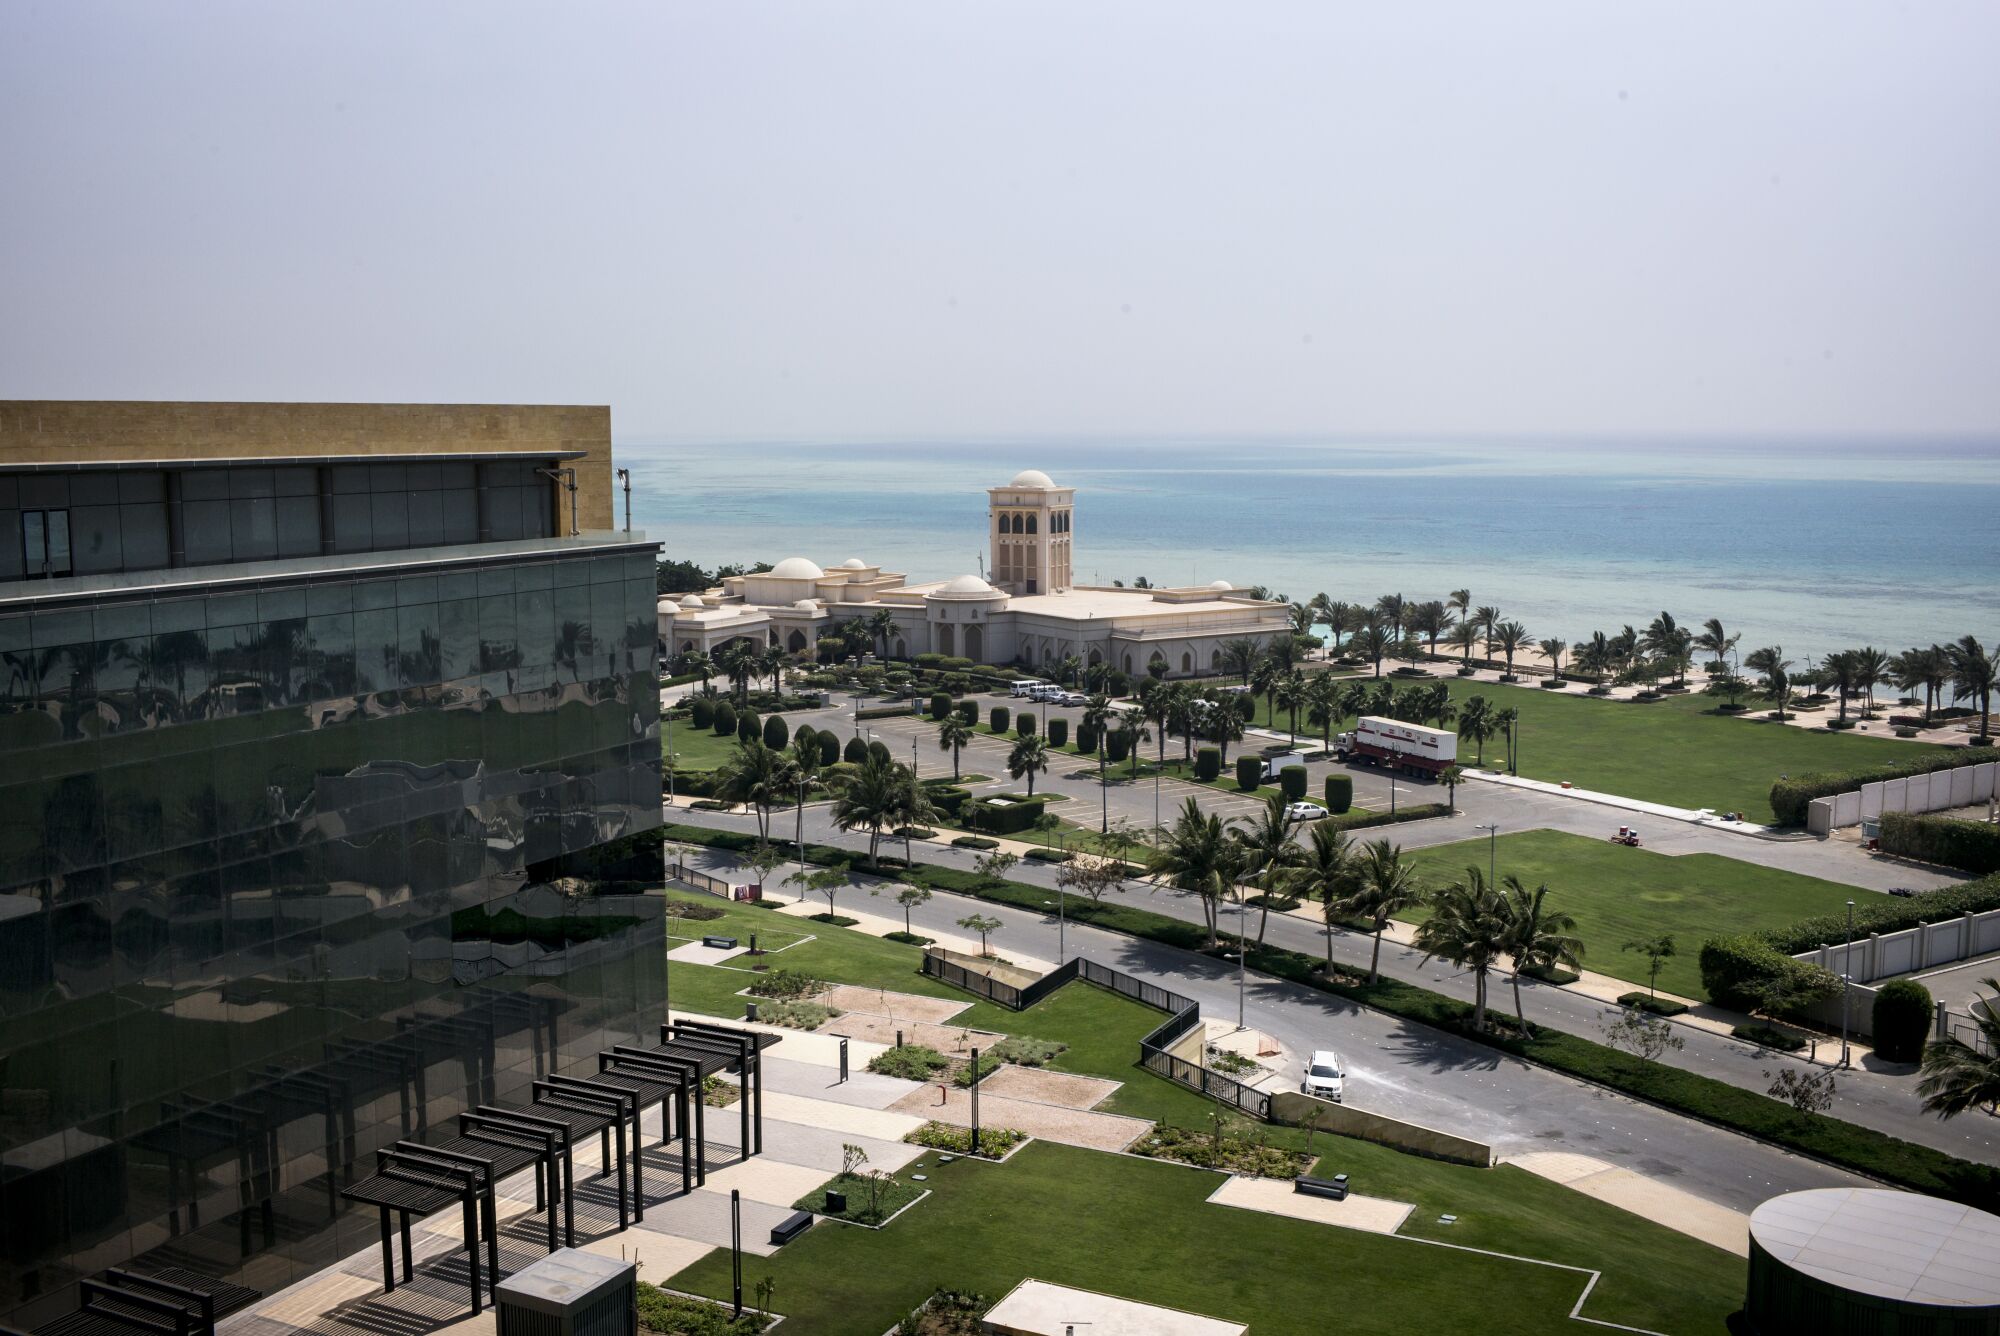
point(1031, 524)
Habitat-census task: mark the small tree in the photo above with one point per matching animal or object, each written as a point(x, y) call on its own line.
point(1091, 875)
point(878, 1181)
point(909, 898)
point(1808, 1092)
point(764, 860)
point(984, 925)
point(996, 865)
point(826, 881)
point(1903, 1016)
point(1656, 950)
point(852, 1157)
point(1643, 1036)
point(767, 1288)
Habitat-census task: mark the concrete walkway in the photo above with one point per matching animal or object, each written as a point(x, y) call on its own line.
point(1693, 816)
point(1274, 1196)
point(1649, 1198)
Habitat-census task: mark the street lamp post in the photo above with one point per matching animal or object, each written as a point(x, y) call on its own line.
point(1492, 852)
point(1846, 973)
point(670, 760)
point(1062, 924)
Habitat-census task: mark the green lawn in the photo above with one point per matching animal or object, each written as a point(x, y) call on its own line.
point(698, 748)
point(1618, 895)
point(1125, 1226)
point(1676, 750)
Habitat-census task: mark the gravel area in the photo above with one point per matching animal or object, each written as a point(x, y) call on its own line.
point(1072, 1127)
point(905, 1007)
point(1047, 1087)
point(882, 1030)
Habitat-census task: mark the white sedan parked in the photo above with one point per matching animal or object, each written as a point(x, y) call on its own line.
point(1304, 812)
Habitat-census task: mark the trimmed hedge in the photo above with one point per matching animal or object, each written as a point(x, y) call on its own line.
point(1207, 764)
point(1736, 970)
point(968, 710)
point(748, 726)
point(1789, 797)
point(974, 842)
point(701, 712)
point(1902, 1020)
point(776, 735)
point(808, 732)
point(1249, 772)
point(1058, 732)
point(886, 711)
point(1877, 1154)
point(829, 747)
point(1339, 793)
point(1050, 855)
point(855, 752)
point(1356, 820)
point(1888, 913)
point(1292, 779)
point(1658, 1006)
point(1006, 818)
point(1086, 739)
point(947, 798)
point(1970, 846)
point(1117, 746)
point(1024, 724)
point(996, 718)
point(940, 704)
point(724, 719)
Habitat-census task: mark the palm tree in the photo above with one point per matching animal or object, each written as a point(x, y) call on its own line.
point(1159, 707)
point(1776, 668)
point(1185, 716)
point(1462, 638)
point(1475, 721)
point(1131, 726)
point(1468, 926)
point(871, 798)
point(1552, 650)
point(1374, 644)
point(1843, 671)
point(1507, 721)
point(804, 756)
point(1486, 618)
point(1353, 699)
point(1029, 757)
point(1936, 675)
point(1510, 637)
point(1240, 656)
point(1264, 679)
point(1538, 937)
point(1958, 1076)
point(1460, 604)
point(1301, 617)
point(953, 736)
point(915, 808)
point(1327, 871)
point(1381, 699)
point(1917, 667)
point(694, 661)
point(1430, 620)
point(1714, 641)
point(1196, 856)
point(757, 775)
point(1322, 700)
point(881, 625)
point(1451, 777)
point(1973, 678)
point(739, 661)
point(1224, 727)
point(1264, 848)
point(1594, 655)
point(1438, 706)
point(1385, 886)
point(1871, 669)
point(1290, 695)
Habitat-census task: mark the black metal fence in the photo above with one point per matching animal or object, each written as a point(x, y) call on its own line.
point(699, 880)
point(1183, 1015)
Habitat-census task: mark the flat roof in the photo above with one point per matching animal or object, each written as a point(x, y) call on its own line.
point(1893, 1245)
point(291, 461)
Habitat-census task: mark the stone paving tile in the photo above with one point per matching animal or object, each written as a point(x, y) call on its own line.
point(1274, 1196)
point(864, 1089)
point(819, 1148)
point(888, 1124)
point(704, 1218)
point(764, 1179)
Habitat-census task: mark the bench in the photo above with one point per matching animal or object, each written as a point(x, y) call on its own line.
point(793, 1225)
point(1334, 1189)
point(720, 943)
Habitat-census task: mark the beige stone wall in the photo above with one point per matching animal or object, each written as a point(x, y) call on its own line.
point(1290, 1106)
point(54, 431)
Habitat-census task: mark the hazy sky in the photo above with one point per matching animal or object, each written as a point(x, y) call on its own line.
point(831, 220)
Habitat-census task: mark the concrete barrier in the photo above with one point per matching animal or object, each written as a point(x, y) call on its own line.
point(1293, 1108)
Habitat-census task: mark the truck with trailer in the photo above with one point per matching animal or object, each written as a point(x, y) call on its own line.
point(1408, 749)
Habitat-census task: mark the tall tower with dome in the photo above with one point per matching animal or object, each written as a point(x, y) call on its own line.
point(1029, 523)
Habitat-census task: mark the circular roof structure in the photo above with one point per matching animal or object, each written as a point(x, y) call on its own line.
point(795, 568)
point(1883, 1247)
point(854, 564)
point(1032, 478)
point(1220, 584)
point(806, 605)
point(692, 602)
point(964, 586)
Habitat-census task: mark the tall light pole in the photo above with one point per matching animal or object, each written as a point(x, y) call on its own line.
point(1062, 924)
point(670, 760)
point(1492, 852)
point(1846, 973)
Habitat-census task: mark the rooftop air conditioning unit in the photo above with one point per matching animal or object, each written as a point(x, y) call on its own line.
point(569, 1293)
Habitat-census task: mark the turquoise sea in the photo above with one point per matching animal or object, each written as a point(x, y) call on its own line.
point(1815, 547)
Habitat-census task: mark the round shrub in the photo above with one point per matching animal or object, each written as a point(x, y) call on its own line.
point(855, 752)
point(879, 750)
point(829, 747)
point(1903, 1016)
point(1245, 705)
point(701, 712)
point(1058, 732)
point(1292, 779)
point(1117, 746)
point(968, 711)
point(748, 725)
point(939, 704)
point(725, 719)
point(1207, 763)
point(806, 733)
point(996, 719)
point(776, 735)
point(1024, 724)
point(1339, 793)
point(1086, 738)
point(1249, 772)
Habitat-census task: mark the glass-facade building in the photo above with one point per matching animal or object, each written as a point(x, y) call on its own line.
point(292, 754)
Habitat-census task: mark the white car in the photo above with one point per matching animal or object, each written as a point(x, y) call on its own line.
point(1325, 1076)
point(1304, 811)
point(1072, 698)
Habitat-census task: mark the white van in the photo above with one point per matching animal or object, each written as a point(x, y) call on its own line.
point(1026, 687)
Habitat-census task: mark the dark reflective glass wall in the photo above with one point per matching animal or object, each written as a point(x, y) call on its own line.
point(263, 902)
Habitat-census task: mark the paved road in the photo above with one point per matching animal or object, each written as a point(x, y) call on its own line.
point(1426, 1076)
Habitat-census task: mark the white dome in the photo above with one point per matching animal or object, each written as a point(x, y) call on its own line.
point(854, 564)
point(1220, 584)
point(795, 568)
point(692, 602)
point(806, 605)
point(965, 586)
point(1031, 478)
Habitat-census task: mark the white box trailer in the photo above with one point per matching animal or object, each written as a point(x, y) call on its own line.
point(1410, 748)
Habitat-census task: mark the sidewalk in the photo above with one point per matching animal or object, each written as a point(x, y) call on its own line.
point(1703, 816)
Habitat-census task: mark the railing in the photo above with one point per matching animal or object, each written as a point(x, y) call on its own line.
point(699, 880)
point(1183, 1015)
point(1965, 1029)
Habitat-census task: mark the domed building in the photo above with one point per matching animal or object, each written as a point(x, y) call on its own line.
point(1025, 609)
